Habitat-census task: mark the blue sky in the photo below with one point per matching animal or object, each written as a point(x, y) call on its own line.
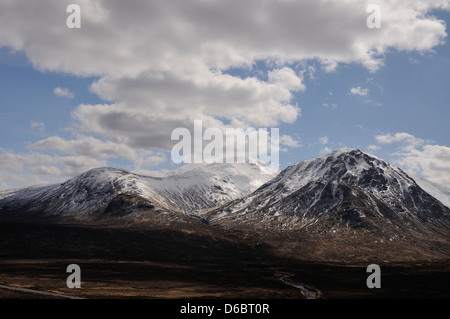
point(130, 80)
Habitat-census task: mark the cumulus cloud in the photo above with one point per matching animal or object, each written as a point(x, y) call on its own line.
point(13, 180)
point(146, 160)
point(21, 169)
point(289, 141)
point(85, 146)
point(173, 97)
point(221, 34)
point(419, 158)
point(162, 64)
point(359, 91)
point(40, 126)
point(373, 147)
point(409, 141)
point(286, 78)
point(10, 160)
point(46, 170)
point(63, 92)
point(429, 161)
point(184, 39)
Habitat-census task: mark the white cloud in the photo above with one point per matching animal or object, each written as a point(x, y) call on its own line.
point(46, 170)
point(311, 73)
point(22, 169)
point(409, 141)
point(373, 147)
point(85, 146)
point(429, 161)
point(418, 158)
point(40, 126)
point(77, 156)
point(63, 92)
point(74, 165)
point(162, 64)
point(148, 159)
point(286, 78)
point(12, 180)
point(147, 108)
point(122, 39)
point(10, 160)
point(171, 96)
point(323, 140)
point(289, 141)
point(359, 91)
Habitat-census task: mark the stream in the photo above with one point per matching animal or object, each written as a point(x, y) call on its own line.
point(308, 293)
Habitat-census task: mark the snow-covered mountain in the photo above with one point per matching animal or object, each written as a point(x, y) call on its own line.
point(195, 187)
point(104, 190)
point(344, 205)
point(346, 189)
point(85, 194)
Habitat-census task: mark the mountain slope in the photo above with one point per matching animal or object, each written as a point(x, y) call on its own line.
point(195, 187)
point(86, 194)
point(345, 190)
point(109, 191)
point(344, 205)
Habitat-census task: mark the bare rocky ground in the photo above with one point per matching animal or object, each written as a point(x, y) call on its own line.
point(194, 260)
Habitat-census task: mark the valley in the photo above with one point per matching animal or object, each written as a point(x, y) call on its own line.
point(120, 262)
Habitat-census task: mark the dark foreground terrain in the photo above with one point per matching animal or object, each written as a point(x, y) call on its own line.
point(188, 261)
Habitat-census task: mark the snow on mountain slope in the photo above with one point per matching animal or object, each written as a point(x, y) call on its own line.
point(200, 186)
point(186, 189)
point(440, 192)
point(81, 195)
point(347, 188)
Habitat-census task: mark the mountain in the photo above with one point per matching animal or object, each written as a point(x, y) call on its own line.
point(346, 205)
point(109, 191)
point(344, 191)
point(195, 187)
point(91, 192)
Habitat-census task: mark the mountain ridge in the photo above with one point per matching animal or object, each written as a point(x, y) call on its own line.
point(308, 189)
point(346, 204)
point(184, 190)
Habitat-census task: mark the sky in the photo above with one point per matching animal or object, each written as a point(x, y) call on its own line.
point(111, 92)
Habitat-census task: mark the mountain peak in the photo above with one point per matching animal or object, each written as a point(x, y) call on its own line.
point(343, 162)
point(351, 152)
point(343, 188)
point(343, 150)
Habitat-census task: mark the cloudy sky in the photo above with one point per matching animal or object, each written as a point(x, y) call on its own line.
point(111, 92)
